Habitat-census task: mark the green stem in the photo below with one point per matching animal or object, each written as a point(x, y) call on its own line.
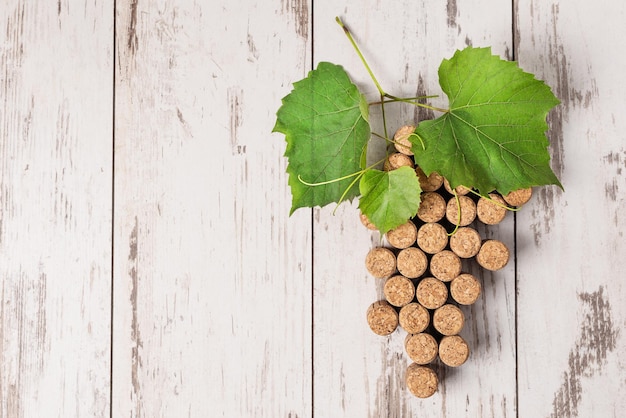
point(458, 218)
point(382, 109)
point(328, 181)
point(357, 173)
point(358, 51)
point(381, 136)
point(343, 195)
point(415, 103)
point(420, 139)
point(353, 182)
point(410, 100)
point(495, 202)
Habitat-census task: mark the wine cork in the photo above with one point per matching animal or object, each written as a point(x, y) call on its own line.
point(397, 160)
point(382, 318)
point(412, 262)
point(432, 238)
point(491, 211)
point(459, 190)
point(421, 381)
point(432, 207)
point(445, 265)
point(431, 293)
point(366, 222)
point(429, 183)
point(465, 289)
point(414, 318)
point(401, 139)
point(403, 236)
point(518, 197)
point(493, 255)
point(422, 348)
point(465, 242)
point(448, 319)
point(399, 290)
point(453, 350)
point(380, 262)
point(468, 210)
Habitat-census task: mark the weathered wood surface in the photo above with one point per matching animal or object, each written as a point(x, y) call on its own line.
point(571, 311)
point(56, 142)
point(357, 373)
point(149, 267)
point(212, 305)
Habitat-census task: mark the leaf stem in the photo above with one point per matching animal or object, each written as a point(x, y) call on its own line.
point(420, 139)
point(357, 173)
point(415, 103)
point(358, 51)
point(381, 136)
point(458, 209)
point(410, 100)
point(495, 202)
point(343, 195)
point(382, 110)
point(382, 93)
point(328, 181)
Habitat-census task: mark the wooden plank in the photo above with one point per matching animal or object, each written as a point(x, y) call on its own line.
point(56, 96)
point(571, 245)
point(358, 374)
point(212, 312)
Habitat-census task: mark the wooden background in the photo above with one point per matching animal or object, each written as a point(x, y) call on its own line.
point(148, 265)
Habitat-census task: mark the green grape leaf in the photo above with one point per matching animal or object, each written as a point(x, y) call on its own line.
point(493, 135)
point(325, 122)
point(389, 198)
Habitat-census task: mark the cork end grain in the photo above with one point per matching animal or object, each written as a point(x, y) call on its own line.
point(422, 348)
point(493, 255)
point(448, 320)
point(467, 212)
point(412, 262)
point(453, 350)
point(491, 211)
point(465, 289)
point(414, 318)
point(429, 183)
point(458, 190)
point(382, 318)
point(421, 381)
point(403, 236)
point(380, 262)
point(366, 222)
point(432, 238)
point(432, 207)
point(397, 160)
point(401, 139)
point(465, 242)
point(445, 265)
point(431, 293)
point(399, 290)
point(518, 197)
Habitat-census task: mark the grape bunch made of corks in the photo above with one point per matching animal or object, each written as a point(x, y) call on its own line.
point(423, 270)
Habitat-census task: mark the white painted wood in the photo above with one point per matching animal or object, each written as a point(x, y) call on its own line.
point(56, 95)
point(212, 311)
point(358, 374)
point(215, 309)
point(571, 312)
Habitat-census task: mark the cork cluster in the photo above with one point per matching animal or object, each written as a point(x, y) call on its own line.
point(424, 268)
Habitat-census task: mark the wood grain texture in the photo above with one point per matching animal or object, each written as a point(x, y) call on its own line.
point(212, 278)
point(55, 208)
point(570, 244)
point(156, 168)
point(359, 374)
